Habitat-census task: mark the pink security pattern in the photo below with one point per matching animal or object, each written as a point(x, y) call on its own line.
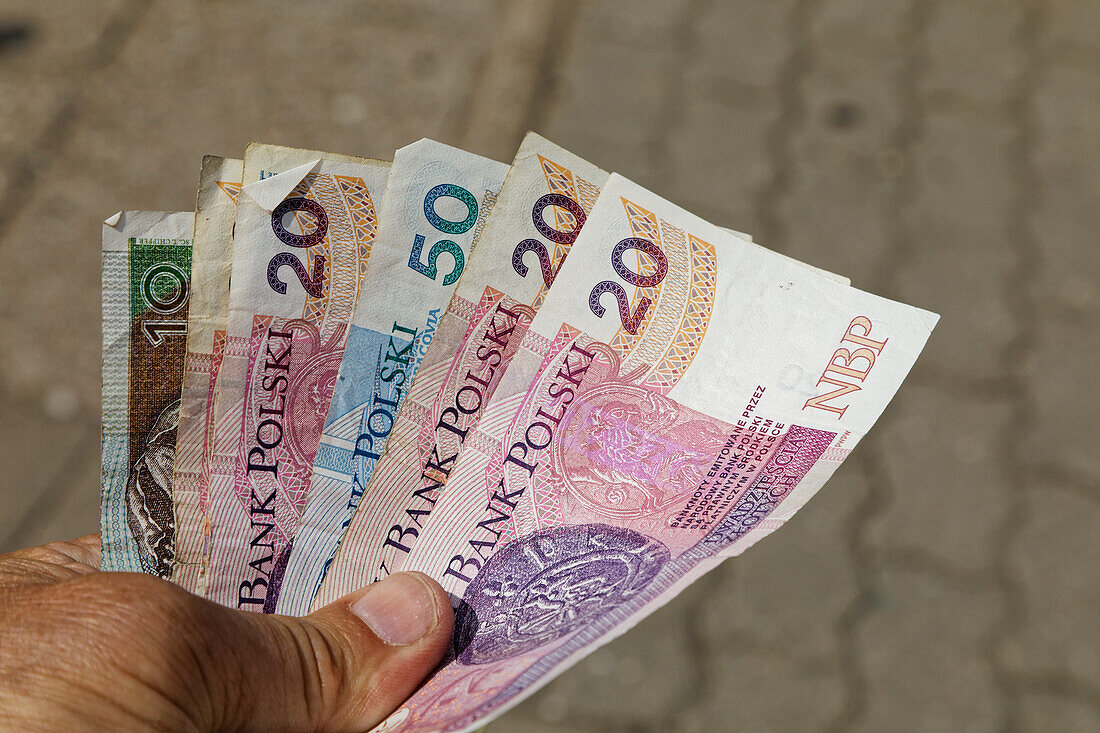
point(216, 358)
point(300, 405)
point(622, 450)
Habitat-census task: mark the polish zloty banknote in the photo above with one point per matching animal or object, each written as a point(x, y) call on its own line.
point(680, 394)
point(302, 240)
point(146, 272)
point(193, 531)
point(435, 207)
point(215, 210)
point(459, 510)
point(262, 160)
point(541, 208)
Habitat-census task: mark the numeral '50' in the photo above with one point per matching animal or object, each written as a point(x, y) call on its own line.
point(430, 269)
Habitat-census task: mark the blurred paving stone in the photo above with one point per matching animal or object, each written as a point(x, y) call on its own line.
point(1072, 25)
point(1054, 558)
point(1066, 420)
point(625, 23)
point(57, 42)
point(789, 591)
point(960, 271)
point(636, 680)
point(44, 56)
point(961, 254)
point(497, 110)
point(1065, 216)
point(523, 720)
point(27, 112)
point(755, 691)
point(422, 15)
point(922, 653)
point(835, 213)
point(717, 158)
point(973, 52)
point(746, 41)
point(1043, 713)
point(73, 499)
point(714, 173)
point(946, 496)
point(963, 172)
point(36, 452)
point(610, 105)
point(870, 30)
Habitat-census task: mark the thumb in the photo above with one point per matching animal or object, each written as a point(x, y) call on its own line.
point(344, 667)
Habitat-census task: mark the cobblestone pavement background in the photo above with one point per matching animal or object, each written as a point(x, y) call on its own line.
point(942, 153)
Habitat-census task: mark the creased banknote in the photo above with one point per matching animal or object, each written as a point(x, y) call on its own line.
point(302, 241)
point(146, 274)
point(436, 203)
point(542, 206)
point(680, 394)
point(193, 531)
point(215, 210)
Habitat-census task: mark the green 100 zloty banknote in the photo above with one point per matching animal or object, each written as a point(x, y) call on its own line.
point(146, 289)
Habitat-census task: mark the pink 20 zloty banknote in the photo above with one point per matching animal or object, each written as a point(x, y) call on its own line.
point(212, 256)
point(302, 239)
point(680, 394)
point(437, 201)
point(541, 208)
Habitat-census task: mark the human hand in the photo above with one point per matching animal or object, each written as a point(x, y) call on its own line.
point(86, 650)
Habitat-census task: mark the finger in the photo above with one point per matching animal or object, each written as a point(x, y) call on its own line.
point(343, 668)
point(51, 562)
point(81, 555)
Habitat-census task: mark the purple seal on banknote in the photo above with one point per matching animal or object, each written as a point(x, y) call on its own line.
point(548, 585)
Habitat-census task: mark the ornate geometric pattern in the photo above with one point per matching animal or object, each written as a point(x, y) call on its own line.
point(561, 180)
point(314, 187)
point(588, 192)
point(489, 299)
point(685, 342)
point(350, 244)
point(363, 215)
point(197, 362)
point(644, 225)
point(352, 224)
point(462, 308)
point(232, 189)
point(236, 347)
point(672, 330)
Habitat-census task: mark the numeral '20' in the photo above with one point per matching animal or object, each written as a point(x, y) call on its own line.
point(631, 321)
point(551, 233)
point(314, 283)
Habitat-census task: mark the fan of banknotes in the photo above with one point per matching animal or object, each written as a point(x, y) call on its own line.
point(560, 395)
